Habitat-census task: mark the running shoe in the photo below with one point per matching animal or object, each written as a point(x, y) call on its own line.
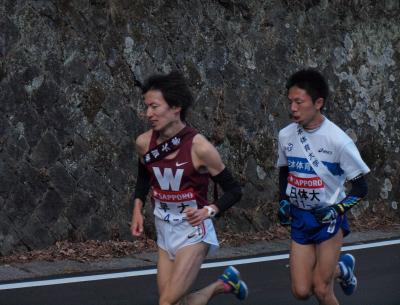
point(231, 277)
point(348, 280)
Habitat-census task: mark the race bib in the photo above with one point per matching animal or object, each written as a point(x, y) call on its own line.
point(306, 192)
point(170, 205)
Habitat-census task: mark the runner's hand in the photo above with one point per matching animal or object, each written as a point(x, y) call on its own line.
point(326, 215)
point(137, 223)
point(284, 213)
point(196, 216)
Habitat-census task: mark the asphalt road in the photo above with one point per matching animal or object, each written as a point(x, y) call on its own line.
point(377, 269)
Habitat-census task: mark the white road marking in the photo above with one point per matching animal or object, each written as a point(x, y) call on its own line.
point(117, 275)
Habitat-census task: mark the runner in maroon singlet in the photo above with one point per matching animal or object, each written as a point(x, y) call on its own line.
point(176, 162)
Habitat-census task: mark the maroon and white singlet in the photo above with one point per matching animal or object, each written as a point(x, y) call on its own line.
point(175, 185)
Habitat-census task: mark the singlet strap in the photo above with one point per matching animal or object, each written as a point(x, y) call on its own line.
point(157, 152)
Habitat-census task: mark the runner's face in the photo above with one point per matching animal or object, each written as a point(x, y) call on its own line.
point(302, 108)
point(158, 112)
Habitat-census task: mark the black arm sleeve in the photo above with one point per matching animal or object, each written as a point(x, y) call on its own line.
point(359, 187)
point(142, 183)
point(283, 175)
point(359, 190)
point(231, 188)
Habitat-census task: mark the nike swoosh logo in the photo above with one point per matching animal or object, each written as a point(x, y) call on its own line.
point(180, 164)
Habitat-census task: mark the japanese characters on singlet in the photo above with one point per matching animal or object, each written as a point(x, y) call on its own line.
point(331, 146)
point(175, 182)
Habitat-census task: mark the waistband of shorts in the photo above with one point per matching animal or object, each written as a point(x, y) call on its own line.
point(301, 209)
point(309, 210)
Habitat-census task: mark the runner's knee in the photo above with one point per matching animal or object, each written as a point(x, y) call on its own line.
point(164, 301)
point(168, 299)
point(165, 298)
point(301, 292)
point(322, 290)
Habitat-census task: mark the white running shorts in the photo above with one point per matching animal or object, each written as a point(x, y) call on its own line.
point(172, 237)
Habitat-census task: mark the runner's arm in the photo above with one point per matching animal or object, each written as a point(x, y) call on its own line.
point(232, 190)
point(210, 158)
point(142, 187)
point(284, 204)
point(359, 190)
point(142, 183)
point(141, 191)
point(283, 176)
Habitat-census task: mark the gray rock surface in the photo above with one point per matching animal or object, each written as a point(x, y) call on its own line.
point(71, 107)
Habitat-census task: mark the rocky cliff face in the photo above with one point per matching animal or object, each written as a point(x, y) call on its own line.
point(70, 103)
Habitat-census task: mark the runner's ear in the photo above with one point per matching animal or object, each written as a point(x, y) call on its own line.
point(176, 109)
point(319, 103)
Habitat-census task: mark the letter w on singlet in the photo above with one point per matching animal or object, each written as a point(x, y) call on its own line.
point(168, 181)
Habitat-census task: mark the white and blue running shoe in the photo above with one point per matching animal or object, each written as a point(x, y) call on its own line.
point(348, 280)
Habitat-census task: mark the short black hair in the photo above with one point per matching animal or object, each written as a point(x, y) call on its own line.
point(173, 88)
point(311, 81)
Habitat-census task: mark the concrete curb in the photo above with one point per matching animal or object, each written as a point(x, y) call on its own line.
point(44, 269)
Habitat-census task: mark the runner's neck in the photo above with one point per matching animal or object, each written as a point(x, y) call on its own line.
point(169, 132)
point(314, 127)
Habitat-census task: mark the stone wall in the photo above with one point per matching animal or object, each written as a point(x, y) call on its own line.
point(70, 103)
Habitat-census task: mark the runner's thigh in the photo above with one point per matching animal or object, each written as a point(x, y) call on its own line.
point(302, 263)
point(327, 257)
point(186, 268)
point(188, 262)
point(165, 267)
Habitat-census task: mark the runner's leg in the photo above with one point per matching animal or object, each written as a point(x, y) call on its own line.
point(326, 269)
point(165, 267)
point(302, 263)
point(176, 281)
point(202, 296)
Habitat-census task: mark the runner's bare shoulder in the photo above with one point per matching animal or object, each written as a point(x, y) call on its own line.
point(201, 145)
point(143, 142)
point(206, 155)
